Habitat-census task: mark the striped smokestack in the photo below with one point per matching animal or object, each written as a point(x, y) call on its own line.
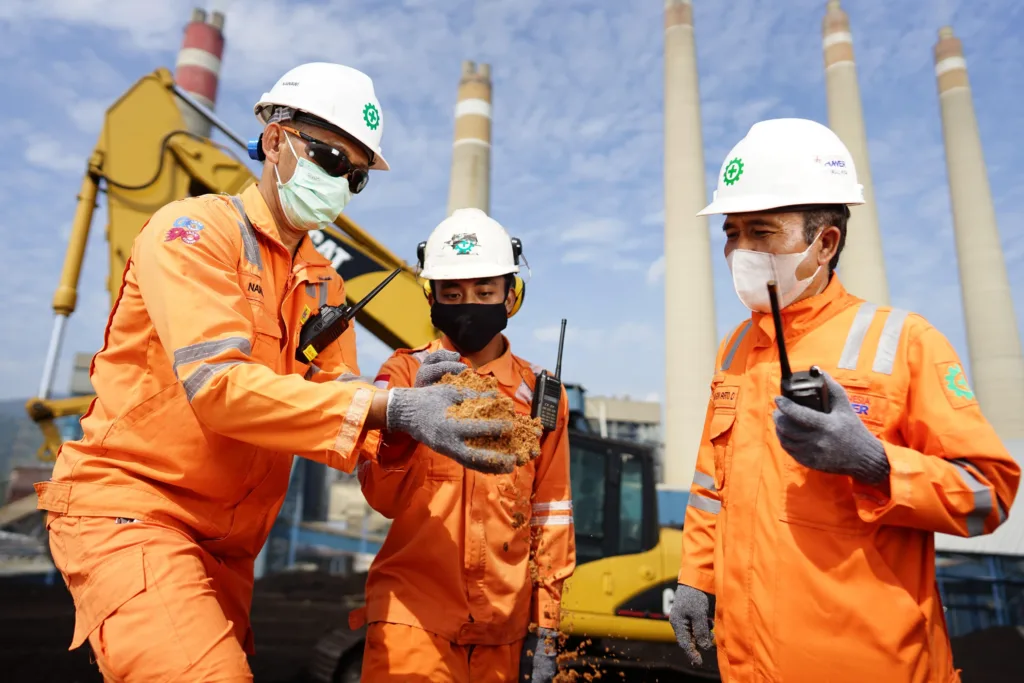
point(997, 367)
point(862, 264)
point(198, 67)
point(470, 184)
point(691, 339)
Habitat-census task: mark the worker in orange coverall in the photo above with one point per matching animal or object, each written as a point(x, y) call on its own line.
point(471, 560)
point(815, 530)
point(157, 514)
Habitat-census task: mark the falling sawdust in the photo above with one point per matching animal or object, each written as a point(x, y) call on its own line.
point(522, 441)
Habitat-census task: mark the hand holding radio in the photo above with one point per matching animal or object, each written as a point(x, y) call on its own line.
point(836, 442)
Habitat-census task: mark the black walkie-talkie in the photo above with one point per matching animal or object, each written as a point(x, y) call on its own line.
point(547, 392)
point(806, 387)
point(330, 322)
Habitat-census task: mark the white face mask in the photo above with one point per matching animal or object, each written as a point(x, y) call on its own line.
point(751, 271)
point(311, 199)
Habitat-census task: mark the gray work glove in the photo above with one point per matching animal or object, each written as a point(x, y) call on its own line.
point(690, 613)
point(422, 413)
point(836, 442)
point(436, 365)
point(539, 656)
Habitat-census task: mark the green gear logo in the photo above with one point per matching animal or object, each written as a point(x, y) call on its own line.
point(956, 382)
point(733, 171)
point(371, 116)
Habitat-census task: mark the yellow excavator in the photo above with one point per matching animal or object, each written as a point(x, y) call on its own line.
point(620, 594)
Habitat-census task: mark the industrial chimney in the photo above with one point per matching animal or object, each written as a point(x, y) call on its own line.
point(862, 264)
point(997, 367)
point(470, 185)
point(198, 67)
point(691, 338)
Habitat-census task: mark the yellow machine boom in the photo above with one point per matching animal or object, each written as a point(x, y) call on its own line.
point(144, 159)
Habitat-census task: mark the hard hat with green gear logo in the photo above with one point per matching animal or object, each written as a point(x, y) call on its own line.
point(338, 94)
point(785, 162)
point(468, 244)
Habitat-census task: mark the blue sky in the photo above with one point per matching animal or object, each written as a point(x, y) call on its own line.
point(577, 155)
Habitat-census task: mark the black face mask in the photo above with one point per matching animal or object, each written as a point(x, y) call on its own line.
point(469, 326)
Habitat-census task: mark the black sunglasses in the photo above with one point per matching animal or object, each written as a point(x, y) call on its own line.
point(334, 161)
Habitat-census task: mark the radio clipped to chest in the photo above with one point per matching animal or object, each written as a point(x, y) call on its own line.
point(330, 322)
point(547, 392)
point(806, 387)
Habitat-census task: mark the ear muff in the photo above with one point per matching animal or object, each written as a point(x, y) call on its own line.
point(519, 287)
point(255, 149)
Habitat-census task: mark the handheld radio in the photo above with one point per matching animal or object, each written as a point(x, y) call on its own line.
point(547, 393)
point(330, 322)
point(806, 387)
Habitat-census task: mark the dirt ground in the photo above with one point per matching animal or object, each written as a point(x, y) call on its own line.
point(291, 611)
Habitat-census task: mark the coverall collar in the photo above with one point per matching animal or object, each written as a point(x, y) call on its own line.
point(261, 218)
point(806, 314)
point(502, 368)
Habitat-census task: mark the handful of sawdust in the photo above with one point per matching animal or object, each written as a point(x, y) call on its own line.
point(519, 441)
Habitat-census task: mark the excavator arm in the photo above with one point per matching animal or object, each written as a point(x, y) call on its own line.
point(144, 159)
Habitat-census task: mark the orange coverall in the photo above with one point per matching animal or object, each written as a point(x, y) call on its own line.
point(471, 559)
point(819, 577)
point(200, 405)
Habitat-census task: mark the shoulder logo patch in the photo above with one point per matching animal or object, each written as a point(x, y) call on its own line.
point(186, 229)
point(954, 383)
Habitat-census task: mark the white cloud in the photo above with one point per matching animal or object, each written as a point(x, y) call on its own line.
point(50, 155)
point(656, 271)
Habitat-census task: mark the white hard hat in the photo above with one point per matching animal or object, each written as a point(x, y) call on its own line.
point(338, 94)
point(785, 162)
point(468, 244)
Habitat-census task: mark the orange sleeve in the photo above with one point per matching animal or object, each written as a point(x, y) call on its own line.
point(954, 475)
point(388, 479)
point(697, 566)
point(193, 297)
point(553, 535)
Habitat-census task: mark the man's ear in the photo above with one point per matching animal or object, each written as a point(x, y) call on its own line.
point(272, 142)
point(510, 300)
point(829, 244)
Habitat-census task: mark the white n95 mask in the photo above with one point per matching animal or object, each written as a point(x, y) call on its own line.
point(751, 271)
point(311, 199)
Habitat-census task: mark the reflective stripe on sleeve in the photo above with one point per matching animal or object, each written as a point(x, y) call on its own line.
point(350, 427)
point(203, 374)
point(553, 506)
point(704, 480)
point(553, 520)
point(982, 499)
point(208, 349)
point(704, 503)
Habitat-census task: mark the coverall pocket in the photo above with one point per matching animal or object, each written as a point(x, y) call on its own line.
point(266, 343)
point(113, 583)
point(720, 434)
point(441, 468)
point(818, 499)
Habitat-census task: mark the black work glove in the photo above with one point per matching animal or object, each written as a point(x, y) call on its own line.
point(836, 442)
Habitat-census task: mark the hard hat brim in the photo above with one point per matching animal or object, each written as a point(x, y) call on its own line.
point(466, 272)
point(754, 203)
